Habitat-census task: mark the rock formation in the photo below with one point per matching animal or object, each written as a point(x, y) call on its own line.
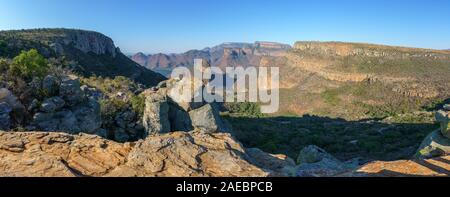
point(67, 108)
point(193, 153)
point(437, 143)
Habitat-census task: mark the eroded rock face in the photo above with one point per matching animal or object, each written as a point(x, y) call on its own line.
point(174, 154)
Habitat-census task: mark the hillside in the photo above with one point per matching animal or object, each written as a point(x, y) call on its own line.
point(356, 81)
point(88, 52)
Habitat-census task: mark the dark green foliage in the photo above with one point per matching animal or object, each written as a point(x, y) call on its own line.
point(3, 48)
point(110, 107)
point(138, 104)
point(344, 139)
point(244, 108)
point(29, 64)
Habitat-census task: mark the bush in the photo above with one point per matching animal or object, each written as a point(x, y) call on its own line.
point(110, 107)
point(245, 108)
point(4, 65)
point(138, 104)
point(3, 49)
point(29, 64)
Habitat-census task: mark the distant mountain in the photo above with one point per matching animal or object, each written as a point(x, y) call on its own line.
point(226, 54)
point(93, 52)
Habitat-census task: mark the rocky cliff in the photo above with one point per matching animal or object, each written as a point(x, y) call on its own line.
point(89, 53)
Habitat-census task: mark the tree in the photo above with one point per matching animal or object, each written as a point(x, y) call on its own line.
point(29, 64)
point(3, 49)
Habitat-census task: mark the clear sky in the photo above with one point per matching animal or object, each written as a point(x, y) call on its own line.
point(165, 26)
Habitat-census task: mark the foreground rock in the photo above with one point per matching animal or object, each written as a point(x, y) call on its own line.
point(434, 145)
point(192, 153)
point(437, 143)
point(439, 166)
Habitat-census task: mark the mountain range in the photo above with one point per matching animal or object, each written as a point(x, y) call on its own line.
point(226, 54)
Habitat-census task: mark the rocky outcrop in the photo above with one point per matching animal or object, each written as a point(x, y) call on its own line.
point(67, 108)
point(208, 119)
point(437, 143)
point(316, 162)
point(11, 110)
point(164, 111)
point(175, 154)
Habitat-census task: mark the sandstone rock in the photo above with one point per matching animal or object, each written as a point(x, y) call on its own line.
point(434, 145)
point(403, 168)
point(156, 114)
point(58, 154)
point(208, 119)
point(281, 165)
point(175, 154)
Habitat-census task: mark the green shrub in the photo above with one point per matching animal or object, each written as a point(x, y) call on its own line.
point(29, 64)
point(138, 104)
point(4, 65)
point(110, 107)
point(3, 49)
point(245, 108)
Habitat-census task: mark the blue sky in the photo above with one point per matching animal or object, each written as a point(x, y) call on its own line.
point(178, 25)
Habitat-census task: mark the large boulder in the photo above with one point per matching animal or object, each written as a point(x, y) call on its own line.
point(18, 110)
point(434, 145)
point(50, 85)
point(280, 164)
point(316, 162)
point(208, 119)
point(156, 114)
point(179, 119)
point(70, 90)
point(443, 117)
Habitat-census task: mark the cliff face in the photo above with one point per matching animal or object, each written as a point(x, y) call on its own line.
point(93, 53)
point(368, 50)
point(88, 41)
